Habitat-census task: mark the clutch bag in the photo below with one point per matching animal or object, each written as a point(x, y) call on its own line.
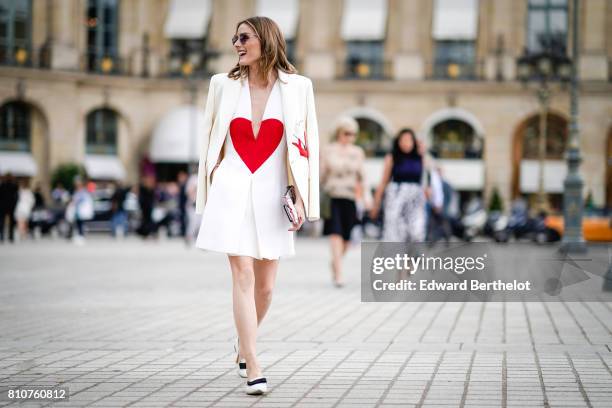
point(288, 201)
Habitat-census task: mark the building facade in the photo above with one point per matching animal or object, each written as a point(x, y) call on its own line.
point(113, 84)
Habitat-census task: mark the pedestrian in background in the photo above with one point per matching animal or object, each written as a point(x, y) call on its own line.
point(80, 209)
point(438, 202)
point(181, 181)
point(146, 200)
point(401, 184)
point(119, 217)
point(9, 194)
point(23, 209)
point(342, 174)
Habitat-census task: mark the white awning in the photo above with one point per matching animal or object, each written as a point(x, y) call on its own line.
point(177, 136)
point(554, 175)
point(463, 174)
point(188, 19)
point(455, 19)
point(18, 163)
point(364, 20)
point(284, 12)
point(104, 167)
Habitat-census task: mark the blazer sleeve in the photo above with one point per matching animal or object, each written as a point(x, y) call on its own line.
point(312, 134)
point(209, 113)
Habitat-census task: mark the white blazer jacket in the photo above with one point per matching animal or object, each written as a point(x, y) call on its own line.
point(301, 132)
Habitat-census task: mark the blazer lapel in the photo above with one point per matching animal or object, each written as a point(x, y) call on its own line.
point(227, 108)
point(288, 99)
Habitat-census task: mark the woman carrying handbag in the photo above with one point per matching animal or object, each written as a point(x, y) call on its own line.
point(261, 136)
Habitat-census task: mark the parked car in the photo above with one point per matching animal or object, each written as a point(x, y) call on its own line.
point(103, 211)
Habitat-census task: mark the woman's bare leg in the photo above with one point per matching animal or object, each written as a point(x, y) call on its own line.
point(245, 312)
point(337, 249)
point(265, 276)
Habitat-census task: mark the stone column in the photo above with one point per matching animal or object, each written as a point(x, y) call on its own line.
point(403, 44)
point(320, 45)
point(66, 22)
point(225, 15)
point(593, 58)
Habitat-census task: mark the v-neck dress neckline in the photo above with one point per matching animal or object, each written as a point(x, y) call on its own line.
point(263, 115)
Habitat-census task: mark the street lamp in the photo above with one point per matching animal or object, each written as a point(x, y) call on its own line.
point(549, 64)
point(573, 240)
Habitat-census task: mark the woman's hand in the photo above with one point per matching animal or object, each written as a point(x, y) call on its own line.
point(301, 213)
point(374, 211)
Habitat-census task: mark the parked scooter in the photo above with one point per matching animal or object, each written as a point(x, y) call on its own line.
point(496, 226)
point(522, 226)
point(474, 219)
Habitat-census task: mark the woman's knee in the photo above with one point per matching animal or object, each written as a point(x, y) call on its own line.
point(243, 276)
point(264, 290)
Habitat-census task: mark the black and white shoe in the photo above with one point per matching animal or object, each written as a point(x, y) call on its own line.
point(241, 361)
point(257, 386)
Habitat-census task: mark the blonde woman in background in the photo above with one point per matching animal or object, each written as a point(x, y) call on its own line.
point(23, 210)
point(342, 175)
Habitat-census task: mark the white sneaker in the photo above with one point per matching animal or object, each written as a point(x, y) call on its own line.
point(242, 372)
point(257, 386)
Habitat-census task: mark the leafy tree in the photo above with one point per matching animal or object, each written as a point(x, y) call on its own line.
point(496, 203)
point(64, 174)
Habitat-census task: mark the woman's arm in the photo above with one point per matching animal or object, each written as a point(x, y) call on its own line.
point(386, 177)
point(367, 194)
point(209, 114)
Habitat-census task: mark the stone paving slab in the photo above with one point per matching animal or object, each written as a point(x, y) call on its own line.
point(148, 324)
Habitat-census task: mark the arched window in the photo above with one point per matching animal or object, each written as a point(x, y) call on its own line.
point(372, 138)
point(15, 127)
point(15, 31)
point(102, 35)
point(455, 139)
point(556, 137)
point(101, 133)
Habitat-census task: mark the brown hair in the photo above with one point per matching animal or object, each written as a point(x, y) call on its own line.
point(273, 49)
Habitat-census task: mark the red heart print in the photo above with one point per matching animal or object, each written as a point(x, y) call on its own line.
point(255, 151)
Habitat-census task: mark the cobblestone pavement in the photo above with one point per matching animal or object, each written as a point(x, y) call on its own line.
point(149, 324)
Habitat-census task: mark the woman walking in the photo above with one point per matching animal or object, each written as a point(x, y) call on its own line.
point(404, 212)
point(261, 135)
point(23, 209)
point(80, 209)
point(342, 173)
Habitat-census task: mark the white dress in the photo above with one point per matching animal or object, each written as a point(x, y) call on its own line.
point(243, 214)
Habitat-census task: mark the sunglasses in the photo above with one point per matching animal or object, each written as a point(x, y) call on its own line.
point(243, 37)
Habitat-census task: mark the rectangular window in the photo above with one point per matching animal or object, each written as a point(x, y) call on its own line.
point(364, 27)
point(364, 60)
point(102, 36)
point(186, 27)
point(187, 57)
point(15, 32)
point(455, 59)
point(547, 23)
point(454, 31)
